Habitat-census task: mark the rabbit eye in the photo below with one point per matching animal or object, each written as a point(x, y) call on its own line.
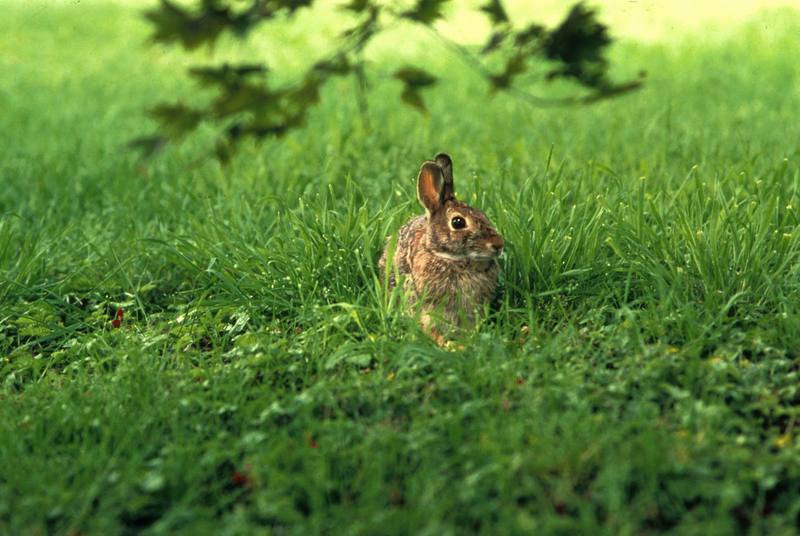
point(458, 222)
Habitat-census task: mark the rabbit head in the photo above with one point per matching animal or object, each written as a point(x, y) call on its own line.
point(455, 231)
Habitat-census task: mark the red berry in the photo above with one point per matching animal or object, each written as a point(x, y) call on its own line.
point(240, 479)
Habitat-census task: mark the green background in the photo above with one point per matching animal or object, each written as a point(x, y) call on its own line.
point(640, 374)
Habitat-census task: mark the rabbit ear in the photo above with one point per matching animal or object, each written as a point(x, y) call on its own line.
point(430, 184)
point(446, 164)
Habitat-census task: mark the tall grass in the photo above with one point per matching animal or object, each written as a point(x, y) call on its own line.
point(639, 373)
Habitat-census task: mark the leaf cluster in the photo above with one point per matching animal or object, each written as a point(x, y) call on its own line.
point(249, 104)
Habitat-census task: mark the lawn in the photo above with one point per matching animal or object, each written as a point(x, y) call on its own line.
point(639, 375)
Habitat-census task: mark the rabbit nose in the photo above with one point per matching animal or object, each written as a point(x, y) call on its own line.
point(496, 243)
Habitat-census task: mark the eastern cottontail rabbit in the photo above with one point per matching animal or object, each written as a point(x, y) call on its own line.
point(449, 255)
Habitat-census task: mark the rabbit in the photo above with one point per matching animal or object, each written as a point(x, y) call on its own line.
point(448, 256)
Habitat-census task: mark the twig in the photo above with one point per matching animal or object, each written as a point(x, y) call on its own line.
point(361, 91)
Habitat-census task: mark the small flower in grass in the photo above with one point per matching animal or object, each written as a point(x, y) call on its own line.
point(239, 479)
point(783, 441)
point(117, 322)
point(524, 331)
point(242, 478)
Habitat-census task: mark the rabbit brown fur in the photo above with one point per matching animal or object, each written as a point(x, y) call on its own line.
point(448, 256)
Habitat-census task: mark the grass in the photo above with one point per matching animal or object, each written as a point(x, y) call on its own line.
point(640, 374)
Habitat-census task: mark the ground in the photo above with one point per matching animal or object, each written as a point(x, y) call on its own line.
point(639, 375)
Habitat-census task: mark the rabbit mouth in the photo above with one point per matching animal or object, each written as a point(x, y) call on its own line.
point(481, 256)
point(451, 256)
point(471, 256)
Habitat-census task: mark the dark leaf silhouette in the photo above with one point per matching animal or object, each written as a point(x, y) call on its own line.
point(174, 24)
point(224, 149)
point(245, 97)
point(357, 6)
point(514, 66)
point(338, 65)
point(495, 40)
point(532, 34)
point(250, 102)
point(226, 75)
point(290, 5)
point(412, 97)
point(578, 43)
point(426, 11)
point(414, 79)
point(495, 10)
point(363, 32)
point(177, 119)
point(148, 145)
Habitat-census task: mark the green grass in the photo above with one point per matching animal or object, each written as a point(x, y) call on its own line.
point(640, 374)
